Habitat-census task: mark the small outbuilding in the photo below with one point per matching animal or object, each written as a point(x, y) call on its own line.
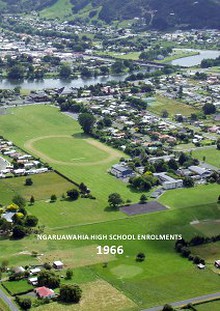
point(217, 264)
point(58, 264)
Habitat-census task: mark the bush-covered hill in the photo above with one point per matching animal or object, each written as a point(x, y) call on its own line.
point(17, 6)
point(158, 14)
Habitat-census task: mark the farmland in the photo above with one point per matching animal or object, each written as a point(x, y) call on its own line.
point(134, 285)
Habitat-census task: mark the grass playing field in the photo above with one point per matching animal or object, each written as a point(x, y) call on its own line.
point(212, 156)
point(162, 278)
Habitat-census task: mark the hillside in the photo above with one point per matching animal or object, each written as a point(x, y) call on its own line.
point(157, 14)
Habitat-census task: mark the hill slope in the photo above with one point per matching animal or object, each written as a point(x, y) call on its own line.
point(158, 14)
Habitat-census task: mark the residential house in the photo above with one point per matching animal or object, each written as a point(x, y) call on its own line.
point(44, 292)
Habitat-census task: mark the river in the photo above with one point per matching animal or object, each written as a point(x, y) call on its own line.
point(81, 82)
point(195, 59)
point(58, 83)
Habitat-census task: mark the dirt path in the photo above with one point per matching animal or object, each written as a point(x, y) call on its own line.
point(113, 154)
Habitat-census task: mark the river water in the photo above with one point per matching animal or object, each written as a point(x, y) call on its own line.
point(195, 59)
point(80, 82)
point(58, 83)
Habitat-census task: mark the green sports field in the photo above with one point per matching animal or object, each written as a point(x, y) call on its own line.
point(212, 155)
point(162, 278)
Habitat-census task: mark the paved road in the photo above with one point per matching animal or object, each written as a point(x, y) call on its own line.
point(185, 302)
point(8, 302)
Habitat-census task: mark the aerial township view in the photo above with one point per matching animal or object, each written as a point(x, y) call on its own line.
point(109, 155)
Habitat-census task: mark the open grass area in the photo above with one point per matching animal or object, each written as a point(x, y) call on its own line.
point(130, 55)
point(210, 252)
point(214, 306)
point(208, 227)
point(212, 155)
point(18, 127)
point(77, 257)
point(172, 106)
point(138, 281)
point(179, 198)
point(61, 9)
point(3, 306)
point(79, 150)
point(44, 185)
point(17, 287)
point(98, 295)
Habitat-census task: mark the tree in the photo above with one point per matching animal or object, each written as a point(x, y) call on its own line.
point(164, 114)
point(83, 188)
point(218, 144)
point(118, 67)
point(53, 198)
point(173, 165)
point(114, 200)
point(28, 182)
point(16, 72)
point(18, 232)
point(168, 308)
point(188, 182)
point(69, 274)
point(24, 303)
point(183, 158)
point(31, 221)
point(32, 200)
point(209, 108)
point(70, 293)
point(86, 120)
point(140, 257)
point(73, 194)
point(49, 279)
point(65, 71)
point(4, 265)
point(19, 200)
point(143, 199)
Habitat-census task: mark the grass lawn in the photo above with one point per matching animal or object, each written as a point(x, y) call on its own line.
point(212, 155)
point(61, 9)
point(16, 287)
point(44, 185)
point(172, 106)
point(179, 198)
point(3, 306)
point(214, 306)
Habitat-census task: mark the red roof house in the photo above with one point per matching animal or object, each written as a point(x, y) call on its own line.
point(44, 292)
